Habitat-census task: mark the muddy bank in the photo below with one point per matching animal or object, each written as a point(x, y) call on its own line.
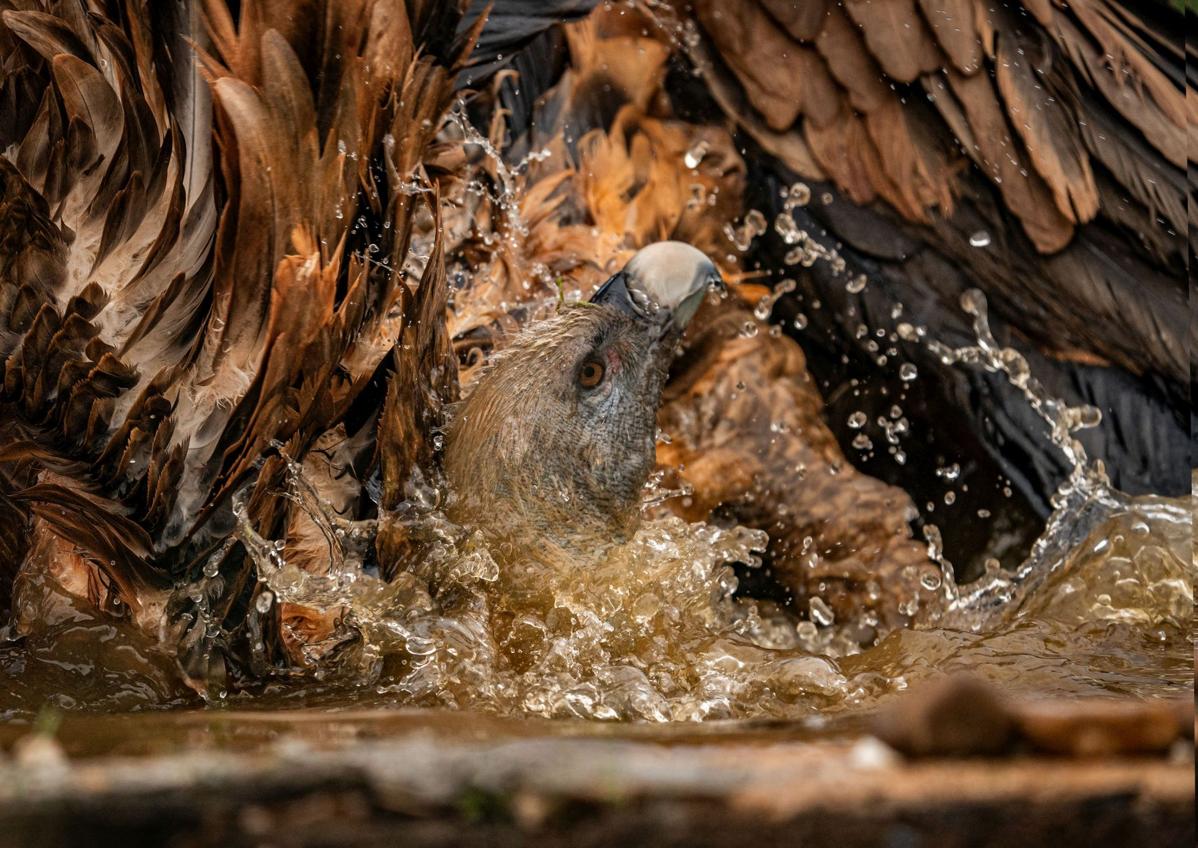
point(423, 791)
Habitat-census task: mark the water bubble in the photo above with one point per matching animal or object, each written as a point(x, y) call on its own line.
point(856, 285)
point(862, 442)
point(857, 420)
point(265, 599)
point(908, 372)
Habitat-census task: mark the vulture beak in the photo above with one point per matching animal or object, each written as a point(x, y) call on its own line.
point(663, 283)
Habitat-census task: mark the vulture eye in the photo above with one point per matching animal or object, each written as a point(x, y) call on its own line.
point(591, 374)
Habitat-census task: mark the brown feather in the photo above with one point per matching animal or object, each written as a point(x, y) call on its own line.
point(1004, 163)
point(921, 171)
point(952, 23)
point(1160, 115)
point(1049, 134)
point(850, 63)
point(842, 150)
point(896, 36)
point(754, 46)
point(803, 19)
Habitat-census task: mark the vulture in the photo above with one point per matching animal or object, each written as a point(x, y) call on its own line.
point(900, 154)
point(248, 243)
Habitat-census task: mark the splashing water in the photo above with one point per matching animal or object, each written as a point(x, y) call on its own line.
point(654, 632)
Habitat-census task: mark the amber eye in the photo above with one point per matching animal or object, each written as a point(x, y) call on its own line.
point(591, 374)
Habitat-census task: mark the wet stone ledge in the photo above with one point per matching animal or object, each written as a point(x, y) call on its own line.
point(423, 791)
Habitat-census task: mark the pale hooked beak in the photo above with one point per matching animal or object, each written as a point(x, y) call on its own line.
point(663, 282)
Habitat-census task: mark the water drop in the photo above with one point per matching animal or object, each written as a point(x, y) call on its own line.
point(820, 612)
point(949, 472)
point(799, 195)
point(981, 238)
point(695, 154)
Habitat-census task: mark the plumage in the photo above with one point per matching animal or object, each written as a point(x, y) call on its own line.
point(169, 313)
point(281, 252)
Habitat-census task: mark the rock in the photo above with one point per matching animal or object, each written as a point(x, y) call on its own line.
point(958, 716)
point(1104, 728)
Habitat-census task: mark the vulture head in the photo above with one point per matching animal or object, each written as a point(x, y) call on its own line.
point(554, 444)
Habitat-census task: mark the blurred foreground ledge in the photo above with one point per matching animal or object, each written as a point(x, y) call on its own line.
point(771, 788)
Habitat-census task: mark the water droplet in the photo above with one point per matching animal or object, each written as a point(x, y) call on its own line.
point(820, 612)
point(857, 284)
point(798, 195)
point(908, 372)
point(949, 472)
point(265, 599)
point(981, 238)
point(695, 154)
point(857, 420)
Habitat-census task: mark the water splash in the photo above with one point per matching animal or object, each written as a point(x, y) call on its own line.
point(1063, 420)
